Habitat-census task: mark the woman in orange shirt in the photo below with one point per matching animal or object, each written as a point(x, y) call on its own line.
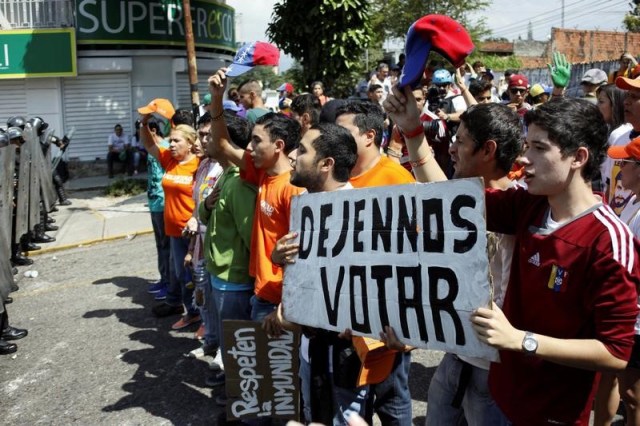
point(180, 164)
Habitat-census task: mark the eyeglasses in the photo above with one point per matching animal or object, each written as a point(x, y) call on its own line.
point(627, 160)
point(516, 90)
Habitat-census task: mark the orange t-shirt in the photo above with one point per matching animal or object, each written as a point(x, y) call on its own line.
point(386, 172)
point(270, 222)
point(177, 183)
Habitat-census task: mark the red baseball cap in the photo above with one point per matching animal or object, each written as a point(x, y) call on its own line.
point(625, 83)
point(518, 80)
point(440, 33)
point(251, 54)
point(630, 150)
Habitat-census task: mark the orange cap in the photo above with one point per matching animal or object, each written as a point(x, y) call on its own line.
point(161, 106)
point(377, 360)
point(630, 150)
point(626, 83)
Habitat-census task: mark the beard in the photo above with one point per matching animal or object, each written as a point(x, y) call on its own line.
point(313, 183)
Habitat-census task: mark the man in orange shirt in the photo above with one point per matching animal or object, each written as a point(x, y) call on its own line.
point(267, 166)
point(365, 122)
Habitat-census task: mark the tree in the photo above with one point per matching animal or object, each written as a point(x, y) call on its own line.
point(632, 19)
point(392, 18)
point(327, 37)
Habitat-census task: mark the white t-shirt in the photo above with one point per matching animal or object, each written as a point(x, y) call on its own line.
point(118, 142)
point(631, 216)
point(610, 170)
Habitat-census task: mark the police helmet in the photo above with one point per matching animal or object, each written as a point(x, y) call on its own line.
point(441, 76)
point(16, 121)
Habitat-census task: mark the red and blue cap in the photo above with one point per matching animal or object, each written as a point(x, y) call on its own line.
point(251, 54)
point(440, 33)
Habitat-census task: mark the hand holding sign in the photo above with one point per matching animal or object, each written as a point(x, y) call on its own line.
point(285, 252)
point(493, 328)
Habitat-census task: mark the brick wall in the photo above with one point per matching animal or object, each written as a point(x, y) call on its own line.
point(590, 46)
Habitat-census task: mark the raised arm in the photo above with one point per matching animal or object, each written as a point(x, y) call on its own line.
point(147, 138)
point(220, 143)
point(404, 112)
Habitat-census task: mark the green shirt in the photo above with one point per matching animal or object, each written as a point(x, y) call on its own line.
point(227, 241)
point(155, 193)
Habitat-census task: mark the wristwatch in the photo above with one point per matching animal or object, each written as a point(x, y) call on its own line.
point(529, 343)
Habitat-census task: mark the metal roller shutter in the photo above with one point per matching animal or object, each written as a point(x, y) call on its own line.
point(13, 100)
point(94, 104)
point(183, 93)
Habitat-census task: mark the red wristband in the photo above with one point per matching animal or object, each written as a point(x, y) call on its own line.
point(415, 132)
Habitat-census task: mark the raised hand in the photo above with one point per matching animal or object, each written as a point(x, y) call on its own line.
point(560, 70)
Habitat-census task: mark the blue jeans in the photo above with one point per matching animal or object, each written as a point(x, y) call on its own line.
point(392, 399)
point(177, 292)
point(476, 403)
point(209, 316)
point(305, 388)
point(349, 401)
point(162, 246)
point(230, 305)
point(260, 308)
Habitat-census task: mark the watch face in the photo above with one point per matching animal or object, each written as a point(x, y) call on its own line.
point(530, 344)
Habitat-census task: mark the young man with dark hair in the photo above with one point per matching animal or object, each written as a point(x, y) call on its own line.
point(487, 143)
point(267, 166)
point(228, 215)
point(572, 301)
point(305, 110)
point(326, 156)
point(365, 122)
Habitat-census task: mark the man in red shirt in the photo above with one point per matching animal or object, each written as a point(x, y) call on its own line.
point(571, 302)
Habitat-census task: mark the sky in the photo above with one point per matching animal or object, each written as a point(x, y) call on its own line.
point(506, 18)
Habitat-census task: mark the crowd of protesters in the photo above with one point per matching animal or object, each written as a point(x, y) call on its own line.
point(563, 219)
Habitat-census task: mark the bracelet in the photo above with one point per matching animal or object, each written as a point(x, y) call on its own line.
point(393, 153)
point(424, 160)
point(218, 117)
point(415, 132)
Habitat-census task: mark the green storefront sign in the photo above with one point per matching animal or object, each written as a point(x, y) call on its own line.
point(37, 53)
point(159, 22)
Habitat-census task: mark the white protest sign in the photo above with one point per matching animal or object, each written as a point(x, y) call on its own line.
point(410, 256)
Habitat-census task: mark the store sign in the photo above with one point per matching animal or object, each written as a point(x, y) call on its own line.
point(37, 53)
point(154, 22)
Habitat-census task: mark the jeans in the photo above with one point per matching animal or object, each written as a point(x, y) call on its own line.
point(162, 246)
point(475, 404)
point(177, 292)
point(349, 401)
point(260, 309)
point(209, 315)
point(230, 305)
point(305, 387)
point(392, 400)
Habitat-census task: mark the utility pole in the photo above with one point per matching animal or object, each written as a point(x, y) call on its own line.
point(562, 16)
point(191, 57)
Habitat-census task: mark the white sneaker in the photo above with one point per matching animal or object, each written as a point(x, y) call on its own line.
point(217, 364)
point(197, 353)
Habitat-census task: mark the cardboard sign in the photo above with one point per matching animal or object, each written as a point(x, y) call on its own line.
point(261, 372)
point(410, 256)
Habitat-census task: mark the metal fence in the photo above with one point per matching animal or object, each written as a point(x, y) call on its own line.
point(18, 14)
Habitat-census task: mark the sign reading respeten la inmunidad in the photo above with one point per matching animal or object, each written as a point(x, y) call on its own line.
point(159, 22)
point(410, 256)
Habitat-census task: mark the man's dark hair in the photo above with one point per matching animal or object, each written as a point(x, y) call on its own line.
point(368, 116)
point(239, 129)
point(279, 126)
point(499, 123)
point(573, 123)
point(117, 126)
point(204, 119)
point(328, 113)
point(182, 116)
point(154, 125)
point(307, 103)
point(336, 142)
point(252, 85)
point(476, 87)
point(374, 87)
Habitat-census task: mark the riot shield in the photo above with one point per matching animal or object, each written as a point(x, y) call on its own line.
point(22, 194)
point(46, 174)
point(32, 140)
point(7, 167)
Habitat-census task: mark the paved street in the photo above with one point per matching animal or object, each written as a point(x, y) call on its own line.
point(96, 355)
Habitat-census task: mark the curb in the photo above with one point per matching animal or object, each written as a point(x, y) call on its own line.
point(87, 242)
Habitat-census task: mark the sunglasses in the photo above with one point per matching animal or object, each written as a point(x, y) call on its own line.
point(516, 90)
point(483, 98)
point(627, 160)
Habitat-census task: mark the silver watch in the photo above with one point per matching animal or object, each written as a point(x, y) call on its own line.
point(529, 343)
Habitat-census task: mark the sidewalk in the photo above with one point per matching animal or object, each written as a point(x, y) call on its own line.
point(93, 217)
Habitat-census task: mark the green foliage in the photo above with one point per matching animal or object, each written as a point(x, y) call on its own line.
point(392, 18)
point(126, 187)
point(327, 37)
point(632, 19)
point(496, 63)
